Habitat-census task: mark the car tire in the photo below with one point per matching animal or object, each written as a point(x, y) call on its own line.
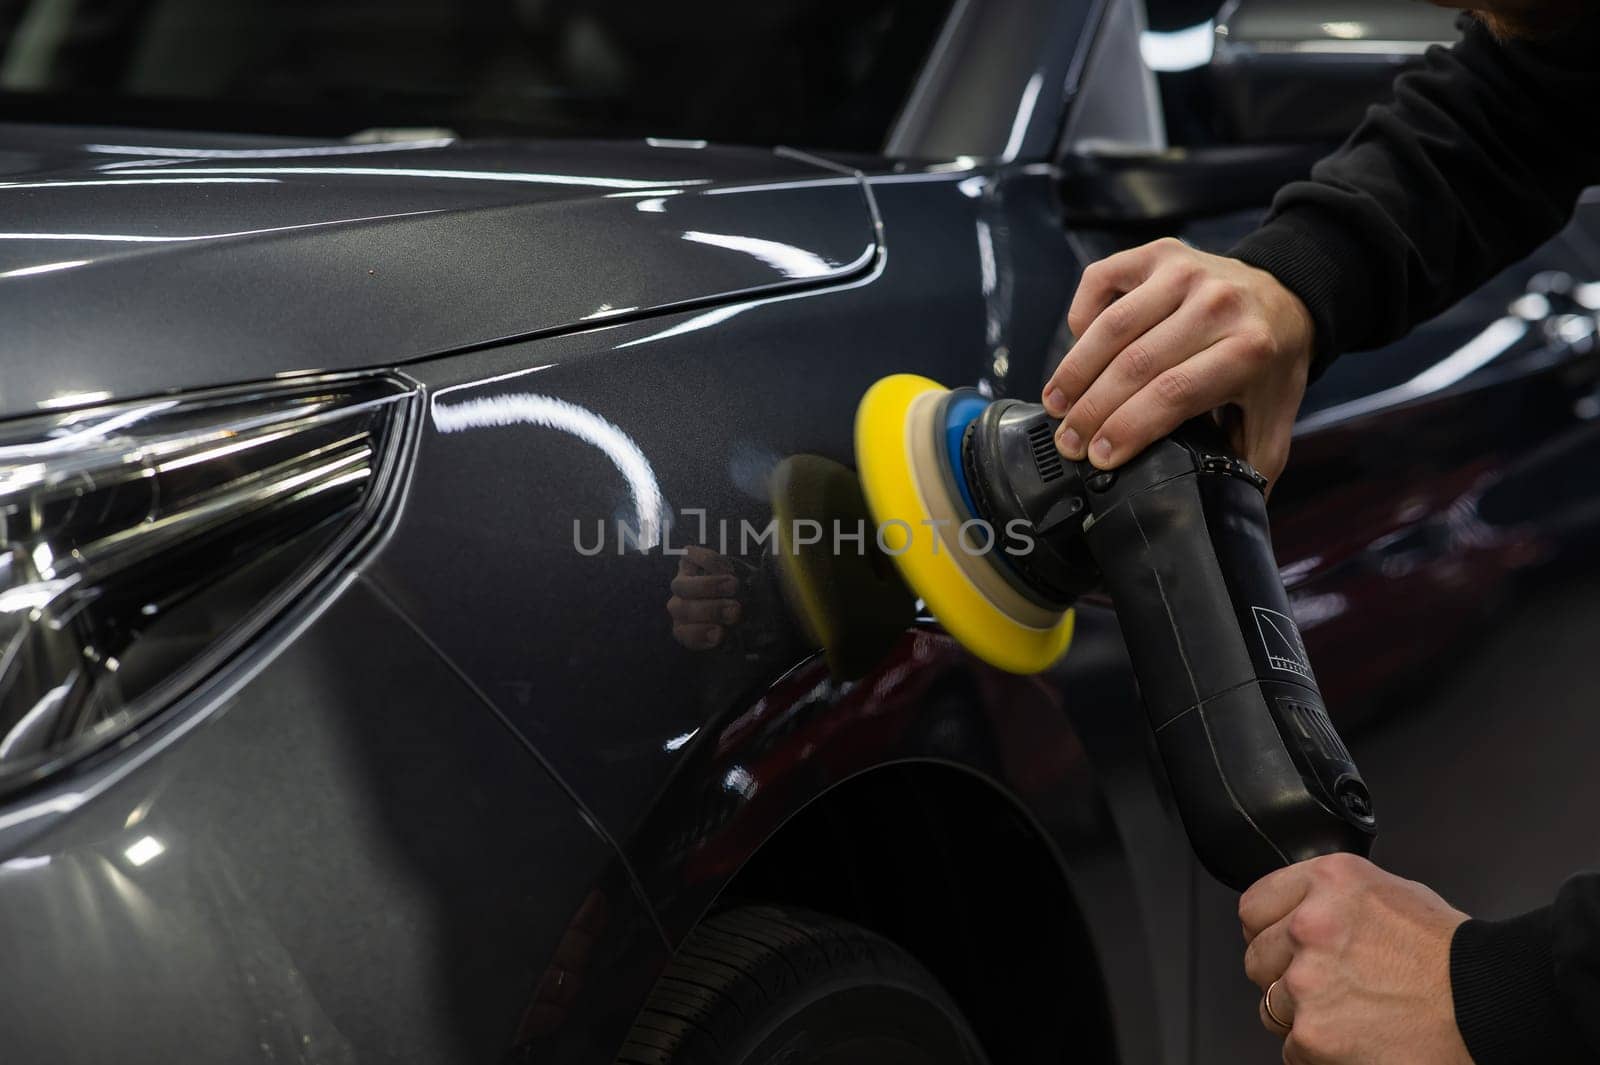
point(767, 985)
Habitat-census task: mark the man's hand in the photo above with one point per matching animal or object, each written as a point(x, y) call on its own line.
point(704, 599)
point(1361, 959)
point(1166, 333)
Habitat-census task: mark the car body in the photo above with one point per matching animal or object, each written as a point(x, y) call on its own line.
point(461, 798)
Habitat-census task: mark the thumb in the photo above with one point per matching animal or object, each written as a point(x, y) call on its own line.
point(1230, 419)
point(1260, 438)
point(1267, 445)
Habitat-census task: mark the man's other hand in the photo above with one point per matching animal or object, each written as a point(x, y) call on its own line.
point(1361, 960)
point(1166, 333)
point(705, 599)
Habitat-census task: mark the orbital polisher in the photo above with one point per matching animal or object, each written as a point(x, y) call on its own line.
point(999, 536)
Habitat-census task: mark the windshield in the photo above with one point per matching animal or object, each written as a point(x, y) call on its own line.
point(818, 73)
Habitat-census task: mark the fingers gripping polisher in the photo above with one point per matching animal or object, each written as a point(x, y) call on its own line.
point(999, 536)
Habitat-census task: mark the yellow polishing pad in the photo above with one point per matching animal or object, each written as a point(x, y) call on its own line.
point(900, 457)
point(849, 600)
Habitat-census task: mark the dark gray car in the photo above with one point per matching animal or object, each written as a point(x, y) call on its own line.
point(391, 665)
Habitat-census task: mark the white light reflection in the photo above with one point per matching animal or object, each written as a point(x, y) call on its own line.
point(1299, 570)
point(1474, 354)
point(221, 451)
point(1498, 338)
point(105, 238)
point(674, 142)
point(989, 274)
point(739, 780)
point(526, 408)
point(268, 153)
point(804, 183)
point(1019, 125)
point(636, 193)
point(1531, 307)
point(138, 814)
point(1336, 46)
point(677, 743)
point(42, 711)
point(710, 318)
point(451, 175)
point(718, 315)
point(1574, 329)
point(1177, 50)
point(105, 182)
point(45, 268)
point(61, 804)
point(787, 259)
point(1313, 610)
point(33, 596)
point(80, 437)
point(956, 165)
point(605, 310)
point(1346, 31)
point(496, 379)
point(71, 399)
point(137, 238)
point(21, 862)
point(144, 850)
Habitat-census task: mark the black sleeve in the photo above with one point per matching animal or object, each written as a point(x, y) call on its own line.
point(1528, 989)
point(1480, 157)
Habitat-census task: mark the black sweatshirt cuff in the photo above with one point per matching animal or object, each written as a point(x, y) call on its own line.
point(1502, 976)
point(1316, 261)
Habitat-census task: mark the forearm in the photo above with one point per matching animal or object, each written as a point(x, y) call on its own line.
point(1528, 989)
point(1479, 158)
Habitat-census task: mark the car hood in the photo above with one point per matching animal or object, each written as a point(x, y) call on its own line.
point(133, 264)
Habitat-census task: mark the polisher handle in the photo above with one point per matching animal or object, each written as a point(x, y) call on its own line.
point(1260, 775)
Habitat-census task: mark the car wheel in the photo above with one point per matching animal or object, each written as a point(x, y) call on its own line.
point(764, 985)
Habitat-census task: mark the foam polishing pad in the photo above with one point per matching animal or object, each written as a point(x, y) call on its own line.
point(845, 593)
point(912, 479)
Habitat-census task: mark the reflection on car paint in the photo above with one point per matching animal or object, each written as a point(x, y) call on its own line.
point(370, 298)
point(111, 183)
point(160, 151)
point(580, 180)
point(547, 412)
point(49, 268)
point(787, 259)
point(150, 238)
point(1497, 338)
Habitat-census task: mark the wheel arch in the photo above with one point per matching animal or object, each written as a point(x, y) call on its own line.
point(948, 807)
point(936, 858)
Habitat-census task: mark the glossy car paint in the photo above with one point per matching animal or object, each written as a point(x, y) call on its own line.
point(668, 389)
point(588, 766)
point(311, 862)
point(281, 256)
point(461, 805)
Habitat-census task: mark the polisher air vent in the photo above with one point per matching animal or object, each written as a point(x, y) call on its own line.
point(1046, 459)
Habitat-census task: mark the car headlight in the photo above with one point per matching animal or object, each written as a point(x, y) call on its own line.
point(143, 543)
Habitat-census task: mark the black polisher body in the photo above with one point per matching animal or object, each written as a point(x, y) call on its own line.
point(1178, 538)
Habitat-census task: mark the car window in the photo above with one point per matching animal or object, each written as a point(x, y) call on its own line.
point(819, 73)
point(1274, 71)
